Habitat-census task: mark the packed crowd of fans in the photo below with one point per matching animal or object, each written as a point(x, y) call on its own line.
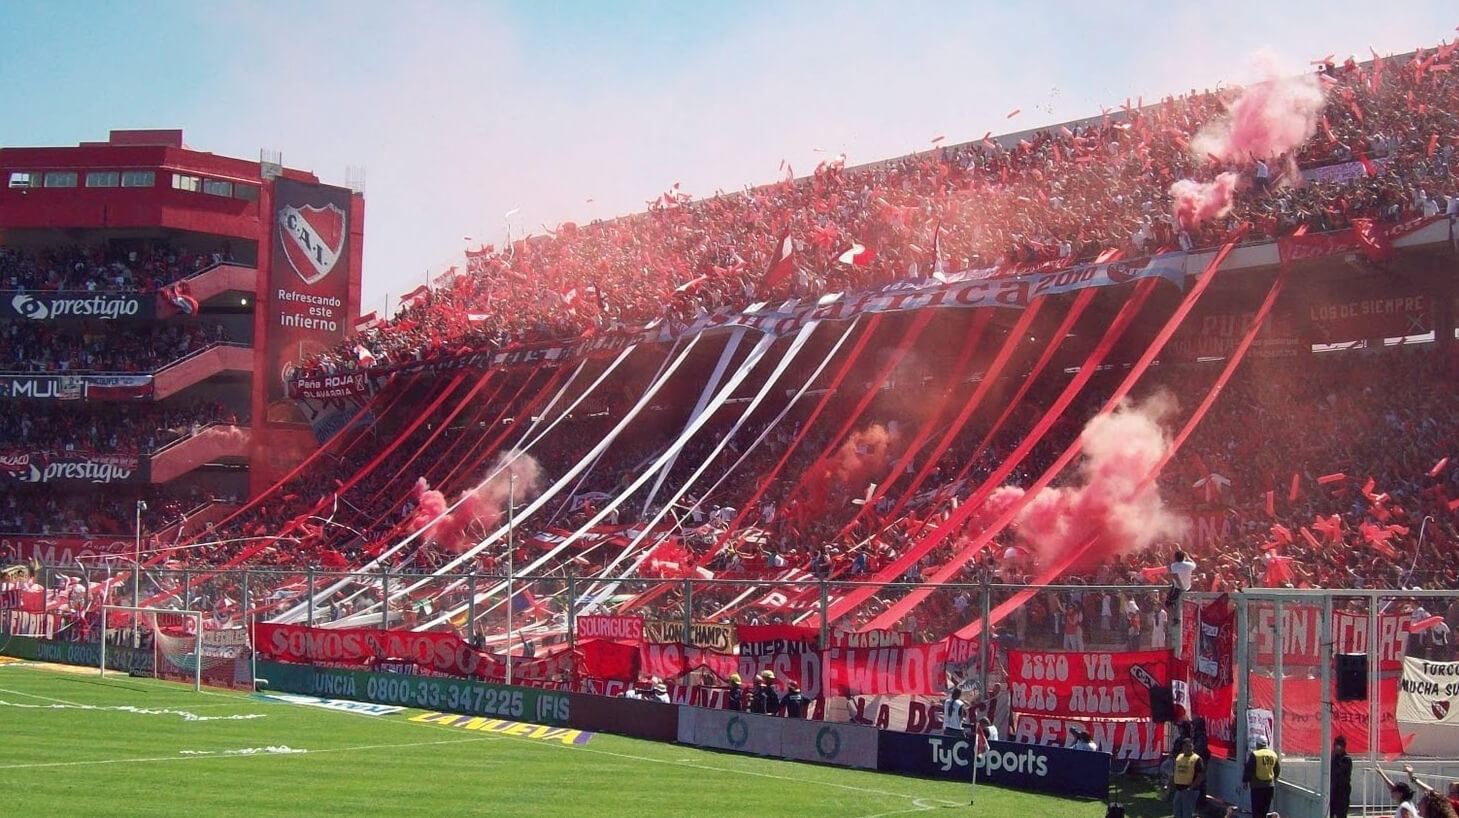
point(41, 510)
point(124, 267)
point(135, 428)
point(1056, 197)
point(1053, 198)
point(43, 347)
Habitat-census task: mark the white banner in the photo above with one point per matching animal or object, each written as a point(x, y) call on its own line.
point(1428, 706)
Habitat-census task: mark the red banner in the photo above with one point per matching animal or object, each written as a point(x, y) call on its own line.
point(616, 628)
point(1137, 740)
point(1302, 708)
point(672, 660)
point(1086, 684)
point(61, 550)
point(1301, 248)
point(876, 638)
point(767, 640)
point(1302, 632)
point(118, 387)
point(606, 659)
point(1216, 335)
point(1351, 314)
point(443, 653)
point(913, 669)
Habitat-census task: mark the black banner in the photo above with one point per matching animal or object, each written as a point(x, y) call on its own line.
point(76, 387)
point(73, 467)
point(1082, 773)
point(39, 306)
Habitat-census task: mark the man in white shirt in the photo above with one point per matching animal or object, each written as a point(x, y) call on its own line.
point(1180, 577)
point(1159, 628)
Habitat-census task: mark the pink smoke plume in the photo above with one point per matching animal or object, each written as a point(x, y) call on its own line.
point(1268, 119)
point(1192, 202)
point(859, 460)
point(1109, 502)
point(479, 509)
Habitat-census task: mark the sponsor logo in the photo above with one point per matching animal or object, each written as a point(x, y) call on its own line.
point(361, 708)
point(313, 238)
point(92, 306)
point(947, 755)
point(85, 471)
point(1121, 273)
point(564, 735)
point(27, 306)
point(736, 731)
point(828, 743)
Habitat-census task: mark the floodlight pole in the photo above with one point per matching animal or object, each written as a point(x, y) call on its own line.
point(511, 568)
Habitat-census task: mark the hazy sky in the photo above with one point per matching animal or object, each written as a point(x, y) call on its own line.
point(462, 111)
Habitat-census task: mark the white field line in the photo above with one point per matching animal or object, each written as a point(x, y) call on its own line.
point(158, 759)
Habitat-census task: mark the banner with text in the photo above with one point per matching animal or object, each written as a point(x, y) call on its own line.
point(39, 306)
point(308, 282)
point(73, 467)
point(1086, 684)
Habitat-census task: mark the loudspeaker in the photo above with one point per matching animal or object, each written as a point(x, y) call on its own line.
point(1162, 704)
point(1352, 677)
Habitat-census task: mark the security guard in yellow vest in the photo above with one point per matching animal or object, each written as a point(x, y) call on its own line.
point(1262, 770)
point(1190, 773)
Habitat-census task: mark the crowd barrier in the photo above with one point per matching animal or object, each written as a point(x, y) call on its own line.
point(843, 745)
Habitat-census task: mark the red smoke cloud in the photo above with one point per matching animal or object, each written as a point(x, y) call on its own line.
point(1110, 502)
point(1195, 202)
point(479, 509)
point(1268, 119)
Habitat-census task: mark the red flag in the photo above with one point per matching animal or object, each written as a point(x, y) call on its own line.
point(1372, 239)
point(1433, 144)
point(1308, 536)
point(782, 266)
point(1422, 625)
point(858, 255)
point(366, 321)
point(1368, 168)
point(1438, 467)
point(1271, 504)
point(1335, 477)
point(415, 296)
point(1296, 489)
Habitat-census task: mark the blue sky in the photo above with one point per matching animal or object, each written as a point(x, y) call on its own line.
point(462, 111)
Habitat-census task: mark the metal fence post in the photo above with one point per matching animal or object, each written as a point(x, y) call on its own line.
point(1325, 652)
point(1243, 680)
point(471, 607)
point(187, 589)
point(385, 597)
point(688, 611)
point(825, 603)
point(1279, 667)
point(309, 597)
point(572, 631)
point(985, 649)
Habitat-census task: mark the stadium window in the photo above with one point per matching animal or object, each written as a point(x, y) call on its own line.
point(20, 178)
point(61, 178)
point(138, 178)
point(102, 178)
point(181, 181)
point(216, 187)
point(245, 192)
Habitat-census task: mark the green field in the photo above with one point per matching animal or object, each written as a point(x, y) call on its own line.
point(72, 743)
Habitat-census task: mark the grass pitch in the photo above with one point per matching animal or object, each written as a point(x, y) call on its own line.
point(73, 743)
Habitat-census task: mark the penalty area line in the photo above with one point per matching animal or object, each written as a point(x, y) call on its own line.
point(219, 755)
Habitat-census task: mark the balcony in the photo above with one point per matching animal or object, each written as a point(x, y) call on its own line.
point(201, 365)
point(210, 444)
point(222, 278)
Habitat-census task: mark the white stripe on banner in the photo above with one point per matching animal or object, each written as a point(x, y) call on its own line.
point(692, 428)
point(301, 611)
point(546, 497)
point(790, 354)
point(730, 348)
